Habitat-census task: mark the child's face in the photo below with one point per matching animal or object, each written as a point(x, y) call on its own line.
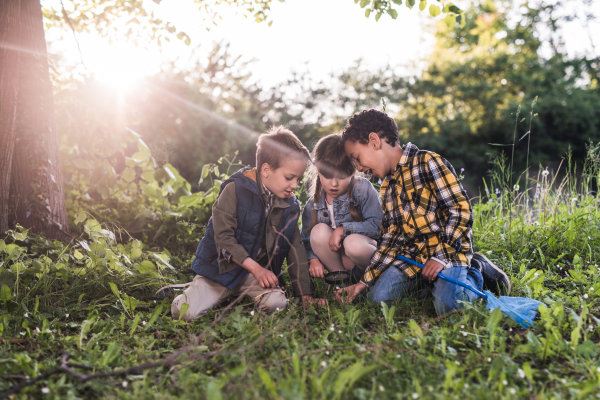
point(368, 158)
point(335, 185)
point(284, 180)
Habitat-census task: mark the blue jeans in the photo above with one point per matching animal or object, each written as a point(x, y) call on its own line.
point(393, 284)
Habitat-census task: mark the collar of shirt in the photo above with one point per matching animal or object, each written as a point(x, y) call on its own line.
point(267, 196)
point(409, 150)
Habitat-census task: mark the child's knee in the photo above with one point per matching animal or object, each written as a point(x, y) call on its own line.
point(319, 233)
point(357, 248)
point(272, 302)
point(378, 294)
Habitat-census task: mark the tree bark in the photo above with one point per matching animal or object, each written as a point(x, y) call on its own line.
point(31, 191)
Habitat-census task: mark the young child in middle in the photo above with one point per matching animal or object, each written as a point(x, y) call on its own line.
point(342, 218)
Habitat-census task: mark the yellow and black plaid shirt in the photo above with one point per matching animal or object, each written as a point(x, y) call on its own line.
point(427, 214)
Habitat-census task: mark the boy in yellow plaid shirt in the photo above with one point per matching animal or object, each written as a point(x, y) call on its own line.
point(427, 217)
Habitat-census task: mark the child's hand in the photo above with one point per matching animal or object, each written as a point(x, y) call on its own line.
point(316, 268)
point(307, 300)
point(265, 278)
point(349, 293)
point(431, 269)
point(335, 240)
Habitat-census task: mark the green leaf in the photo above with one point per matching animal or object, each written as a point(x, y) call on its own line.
point(378, 15)
point(393, 13)
point(368, 12)
point(454, 9)
point(422, 4)
point(410, 3)
point(78, 255)
point(268, 382)
point(434, 10)
point(111, 354)
point(20, 236)
point(347, 377)
point(5, 293)
point(415, 329)
point(134, 324)
point(364, 3)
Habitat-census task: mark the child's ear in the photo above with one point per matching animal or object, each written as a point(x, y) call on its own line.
point(265, 170)
point(374, 140)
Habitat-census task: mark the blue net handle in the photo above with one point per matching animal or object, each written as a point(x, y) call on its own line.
point(444, 277)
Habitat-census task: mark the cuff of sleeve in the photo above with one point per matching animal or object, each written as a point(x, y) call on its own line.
point(236, 255)
point(441, 261)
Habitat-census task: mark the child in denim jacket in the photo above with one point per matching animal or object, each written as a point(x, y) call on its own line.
point(342, 219)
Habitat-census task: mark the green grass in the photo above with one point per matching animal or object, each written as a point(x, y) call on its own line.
point(92, 299)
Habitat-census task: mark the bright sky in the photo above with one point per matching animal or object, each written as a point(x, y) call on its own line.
point(316, 36)
point(327, 35)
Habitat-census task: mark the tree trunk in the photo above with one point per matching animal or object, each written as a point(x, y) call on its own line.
point(31, 192)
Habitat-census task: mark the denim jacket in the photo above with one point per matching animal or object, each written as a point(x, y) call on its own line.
point(364, 197)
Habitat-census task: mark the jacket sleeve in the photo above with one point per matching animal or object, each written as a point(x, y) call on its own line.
point(298, 267)
point(306, 225)
point(367, 200)
point(224, 214)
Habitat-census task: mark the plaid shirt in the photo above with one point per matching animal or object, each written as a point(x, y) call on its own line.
point(427, 214)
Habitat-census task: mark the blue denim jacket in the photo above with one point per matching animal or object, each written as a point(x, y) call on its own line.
point(364, 197)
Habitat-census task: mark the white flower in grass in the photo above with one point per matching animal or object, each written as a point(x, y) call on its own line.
point(545, 172)
point(489, 359)
point(324, 364)
point(462, 327)
point(381, 388)
point(144, 322)
point(37, 330)
point(326, 352)
point(415, 395)
point(26, 315)
point(340, 331)
point(45, 390)
point(585, 296)
point(464, 333)
point(512, 391)
point(124, 384)
point(252, 313)
point(521, 373)
point(505, 382)
point(67, 315)
point(332, 328)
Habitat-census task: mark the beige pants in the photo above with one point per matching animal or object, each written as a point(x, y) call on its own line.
point(356, 249)
point(202, 294)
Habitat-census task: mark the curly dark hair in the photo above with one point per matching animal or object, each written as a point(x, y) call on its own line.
point(361, 124)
